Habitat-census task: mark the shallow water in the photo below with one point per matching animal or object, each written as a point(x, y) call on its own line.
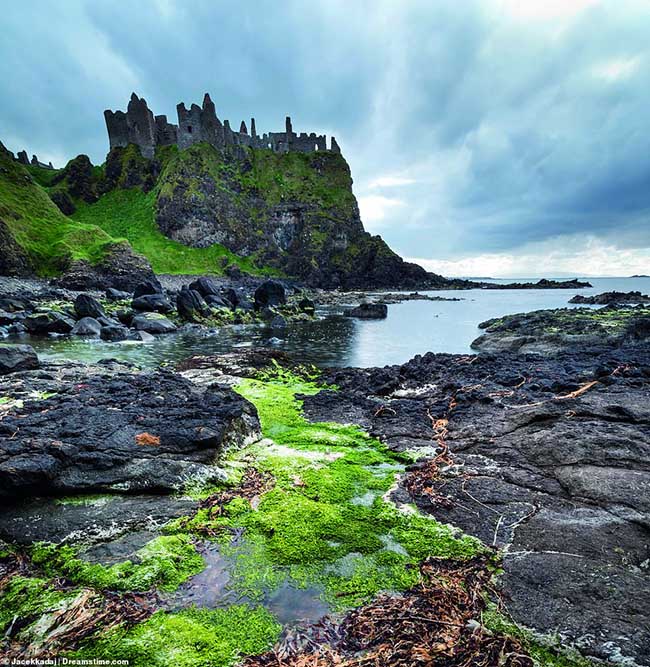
point(211, 589)
point(412, 327)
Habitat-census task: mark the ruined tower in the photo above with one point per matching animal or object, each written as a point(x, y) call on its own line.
point(201, 124)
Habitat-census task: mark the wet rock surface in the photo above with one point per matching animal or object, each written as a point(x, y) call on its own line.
point(17, 358)
point(551, 331)
point(546, 458)
point(108, 428)
point(100, 520)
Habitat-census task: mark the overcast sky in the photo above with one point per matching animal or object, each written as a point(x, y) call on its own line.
point(487, 137)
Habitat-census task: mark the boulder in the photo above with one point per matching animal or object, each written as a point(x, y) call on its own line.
point(217, 301)
point(205, 286)
point(120, 268)
point(190, 304)
point(14, 305)
point(120, 432)
point(270, 293)
point(278, 322)
point(87, 326)
point(40, 324)
point(141, 337)
point(87, 306)
point(231, 295)
point(153, 323)
point(17, 358)
point(114, 333)
point(369, 311)
point(113, 294)
point(307, 306)
point(152, 303)
point(10, 318)
point(151, 286)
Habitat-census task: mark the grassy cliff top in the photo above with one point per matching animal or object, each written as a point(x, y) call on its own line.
point(48, 238)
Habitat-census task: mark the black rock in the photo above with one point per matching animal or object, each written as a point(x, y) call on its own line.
point(278, 322)
point(124, 432)
point(40, 324)
point(152, 303)
point(369, 311)
point(307, 306)
point(87, 306)
point(217, 301)
point(13, 305)
point(205, 286)
point(190, 304)
point(153, 323)
point(117, 295)
point(87, 326)
point(231, 296)
point(17, 358)
point(147, 287)
point(270, 293)
point(125, 316)
point(114, 333)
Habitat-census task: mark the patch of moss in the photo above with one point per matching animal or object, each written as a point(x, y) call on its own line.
point(190, 638)
point(165, 562)
point(327, 506)
point(27, 598)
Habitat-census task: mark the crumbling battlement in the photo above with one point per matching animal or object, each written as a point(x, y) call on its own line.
point(200, 123)
point(23, 158)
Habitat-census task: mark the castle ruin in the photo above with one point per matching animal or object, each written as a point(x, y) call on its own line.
point(200, 123)
point(23, 158)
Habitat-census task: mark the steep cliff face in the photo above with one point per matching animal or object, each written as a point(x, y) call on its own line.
point(292, 211)
point(202, 209)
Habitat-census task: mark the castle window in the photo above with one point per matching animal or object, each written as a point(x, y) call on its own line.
point(189, 129)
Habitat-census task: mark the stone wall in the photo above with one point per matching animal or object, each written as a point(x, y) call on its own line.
point(201, 123)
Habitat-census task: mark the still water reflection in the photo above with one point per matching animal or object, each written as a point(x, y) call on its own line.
point(412, 327)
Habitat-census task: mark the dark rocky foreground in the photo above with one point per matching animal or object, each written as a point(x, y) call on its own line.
point(108, 428)
point(545, 458)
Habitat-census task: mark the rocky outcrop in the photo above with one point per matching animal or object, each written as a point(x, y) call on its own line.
point(295, 212)
point(109, 429)
point(545, 458)
point(120, 268)
point(550, 331)
point(369, 311)
point(17, 358)
point(14, 261)
point(607, 298)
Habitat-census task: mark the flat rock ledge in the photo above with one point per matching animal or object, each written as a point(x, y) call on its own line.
point(547, 459)
point(111, 428)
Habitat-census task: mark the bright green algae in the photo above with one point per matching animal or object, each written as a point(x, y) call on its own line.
point(165, 563)
point(190, 638)
point(326, 525)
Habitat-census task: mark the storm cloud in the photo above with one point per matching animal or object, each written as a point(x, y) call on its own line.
point(490, 136)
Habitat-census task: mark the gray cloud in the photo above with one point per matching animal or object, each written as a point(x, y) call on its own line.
point(504, 129)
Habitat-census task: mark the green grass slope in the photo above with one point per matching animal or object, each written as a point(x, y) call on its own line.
point(129, 214)
point(37, 228)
